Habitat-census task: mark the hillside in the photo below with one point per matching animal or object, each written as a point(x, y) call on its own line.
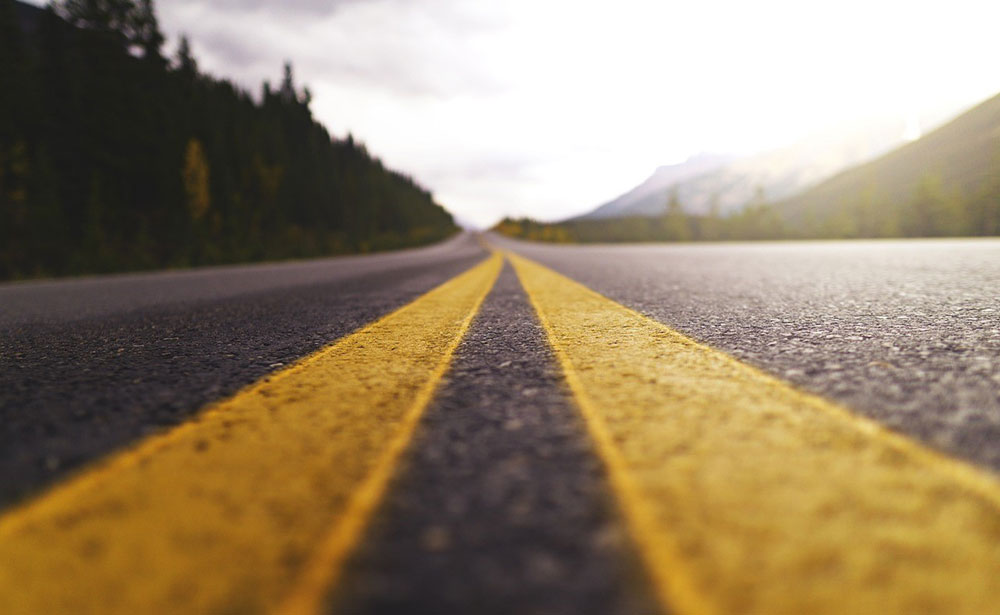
point(114, 157)
point(946, 183)
point(728, 183)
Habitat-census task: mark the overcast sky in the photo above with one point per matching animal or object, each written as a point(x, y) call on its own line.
point(548, 108)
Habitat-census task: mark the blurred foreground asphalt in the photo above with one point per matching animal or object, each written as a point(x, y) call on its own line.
point(500, 502)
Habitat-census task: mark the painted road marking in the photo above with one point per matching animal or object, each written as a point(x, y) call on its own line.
point(747, 496)
point(252, 506)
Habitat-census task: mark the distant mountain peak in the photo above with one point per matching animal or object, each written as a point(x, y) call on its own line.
point(730, 182)
point(662, 179)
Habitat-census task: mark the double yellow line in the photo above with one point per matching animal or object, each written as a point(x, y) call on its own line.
point(742, 494)
point(251, 507)
point(745, 495)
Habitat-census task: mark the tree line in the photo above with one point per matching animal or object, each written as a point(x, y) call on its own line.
point(931, 211)
point(114, 157)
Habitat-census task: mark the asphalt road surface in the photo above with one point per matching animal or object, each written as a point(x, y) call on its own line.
point(527, 482)
point(90, 365)
point(906, 332)
point(502, 507)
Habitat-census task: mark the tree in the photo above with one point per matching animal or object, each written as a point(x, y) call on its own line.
point(184, 61)
point(13, 75)
point(711, 226)
point(132, 25)
point(196, 180)
point(145, 32)
point(930, 213)
point(287, 91)
point(110, 17)
point(99, 172)
point(16, 124)
point(675, 221)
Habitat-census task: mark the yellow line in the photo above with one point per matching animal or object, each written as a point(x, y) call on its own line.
point(253, 504)
point(747, 496)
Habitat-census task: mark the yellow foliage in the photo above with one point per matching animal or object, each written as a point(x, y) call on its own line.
point(195, 175)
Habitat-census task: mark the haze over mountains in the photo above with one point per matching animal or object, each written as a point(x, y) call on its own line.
point(946, 183)
point(951, 174)
point(729, 182)
point(648, 197)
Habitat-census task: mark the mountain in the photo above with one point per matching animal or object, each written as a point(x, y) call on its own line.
point(649, 195)
point(728, 183)
point(951, 175)
point(946, 183)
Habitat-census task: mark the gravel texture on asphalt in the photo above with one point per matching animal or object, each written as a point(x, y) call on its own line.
point(500, 505)
point(905, 332)
point(87, 366)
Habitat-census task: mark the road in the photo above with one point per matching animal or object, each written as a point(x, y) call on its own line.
point(906, 332)
point(90, 365)
point(705, 435)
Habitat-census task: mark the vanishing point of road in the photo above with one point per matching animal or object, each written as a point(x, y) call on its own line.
point(492, 426)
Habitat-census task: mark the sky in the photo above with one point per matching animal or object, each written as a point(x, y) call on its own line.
point(548, 108)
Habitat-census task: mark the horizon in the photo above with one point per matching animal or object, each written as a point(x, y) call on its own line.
point(515, 111)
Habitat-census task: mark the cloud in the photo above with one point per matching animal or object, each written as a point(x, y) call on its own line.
point(421, 82)
point(406, 48)
point(284, 9)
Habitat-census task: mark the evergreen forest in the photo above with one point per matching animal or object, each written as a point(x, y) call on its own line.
point(114, 157)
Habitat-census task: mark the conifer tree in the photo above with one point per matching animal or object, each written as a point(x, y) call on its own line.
point(185, 62)
point(99, 170)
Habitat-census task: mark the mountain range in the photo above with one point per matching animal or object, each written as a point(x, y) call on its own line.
point(727, 183)
point(945, 183)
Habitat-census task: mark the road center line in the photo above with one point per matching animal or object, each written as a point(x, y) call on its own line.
point(500, 505)
point(254, 503)
point(745, 495)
